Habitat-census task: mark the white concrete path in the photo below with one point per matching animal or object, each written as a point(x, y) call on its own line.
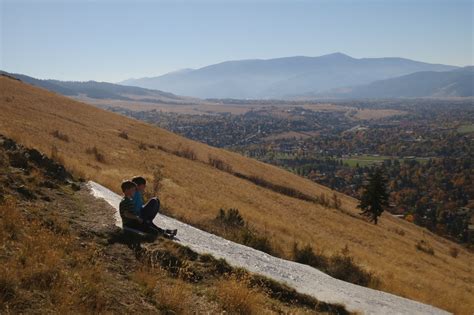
point(304, 279)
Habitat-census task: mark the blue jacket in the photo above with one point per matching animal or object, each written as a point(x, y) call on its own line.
point(138, 202)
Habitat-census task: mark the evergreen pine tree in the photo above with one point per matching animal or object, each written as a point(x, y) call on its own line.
point(374, 197)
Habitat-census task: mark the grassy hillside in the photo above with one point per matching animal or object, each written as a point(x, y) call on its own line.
point(62, 253)
point(107, 148)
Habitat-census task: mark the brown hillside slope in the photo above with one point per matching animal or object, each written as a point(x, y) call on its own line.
point(61, 253)
point(195, 191)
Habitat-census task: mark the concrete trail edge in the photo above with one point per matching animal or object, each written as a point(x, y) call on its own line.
point(303, 278)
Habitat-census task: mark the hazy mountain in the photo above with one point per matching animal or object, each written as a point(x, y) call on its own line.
point(281, 77)
point(454, 83)
point(97, 90)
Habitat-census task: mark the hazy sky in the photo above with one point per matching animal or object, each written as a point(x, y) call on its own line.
point(115, 40)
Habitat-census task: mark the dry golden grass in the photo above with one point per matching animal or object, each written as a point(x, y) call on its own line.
point(238, 298)
point(51, 271)
point(194, 191)
point(171, 295)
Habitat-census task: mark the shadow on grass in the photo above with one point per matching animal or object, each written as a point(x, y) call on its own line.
point(130, 239)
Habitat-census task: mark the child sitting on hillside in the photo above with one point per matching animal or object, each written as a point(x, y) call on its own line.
point(147, 212)
point(127, 207)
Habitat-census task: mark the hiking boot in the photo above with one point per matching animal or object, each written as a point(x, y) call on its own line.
point(171, 232)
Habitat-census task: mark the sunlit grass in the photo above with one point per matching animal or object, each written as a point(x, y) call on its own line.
point(194, 190)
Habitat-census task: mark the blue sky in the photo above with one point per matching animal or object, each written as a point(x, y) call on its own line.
point(114, 40)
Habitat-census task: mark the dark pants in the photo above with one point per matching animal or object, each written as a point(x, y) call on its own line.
point(149, 211)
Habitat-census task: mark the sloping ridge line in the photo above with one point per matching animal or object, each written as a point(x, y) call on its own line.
point(303, 278)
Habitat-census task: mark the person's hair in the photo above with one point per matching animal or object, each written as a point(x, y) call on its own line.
point(138, 180)
point(127, 184)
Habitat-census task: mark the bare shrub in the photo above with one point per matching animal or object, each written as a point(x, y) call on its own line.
point(454, 252)
point(399, 231)
point(142, 146)
point(186, 153)
point(232, 225)
point(123, 134)
point(99, 157)
point(61, 136)
point(258, 241)
point(284, 190)
point(336, 201)
point(230, 217)
point(343, 267)
point(424, 246)
point(220, 164)
point(307, 256)
point(340, 266)
point(323, 200)
point(162, 148)
point(9, 99)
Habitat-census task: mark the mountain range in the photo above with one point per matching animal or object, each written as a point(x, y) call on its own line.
point(100, 90)
point(453, 83)
point(283, 77)
point(335, 76)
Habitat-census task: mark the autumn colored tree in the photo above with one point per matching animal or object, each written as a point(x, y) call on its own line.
point(374, 196)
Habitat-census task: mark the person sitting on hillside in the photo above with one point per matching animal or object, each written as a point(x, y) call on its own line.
point(127, 207)
point(147, 212)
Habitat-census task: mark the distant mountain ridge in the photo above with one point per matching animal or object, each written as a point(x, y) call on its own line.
point(97, 90)
point(282, 77)
point(454, 83)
